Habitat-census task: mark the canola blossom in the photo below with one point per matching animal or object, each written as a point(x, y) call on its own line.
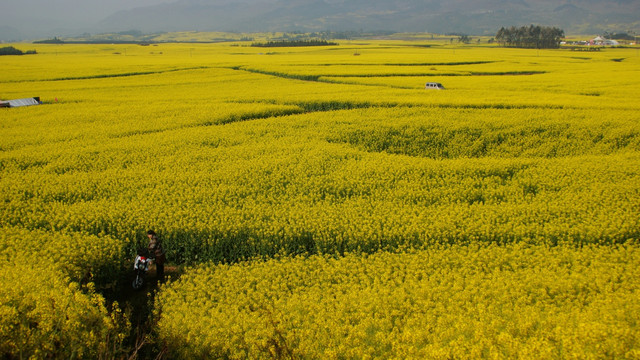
point(49, 306)
point(82, 257)
point(463, 302)
point(528, 162)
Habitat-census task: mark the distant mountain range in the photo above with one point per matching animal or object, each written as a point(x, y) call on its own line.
point(473, 17)
point(477, 17)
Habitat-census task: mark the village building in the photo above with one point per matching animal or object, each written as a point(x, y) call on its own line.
point(599, 40)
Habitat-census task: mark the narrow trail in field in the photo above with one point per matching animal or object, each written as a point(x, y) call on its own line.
point(105, 76)
point(138, 306)
point(455, 63)
point(336, 78)
point(327, 106)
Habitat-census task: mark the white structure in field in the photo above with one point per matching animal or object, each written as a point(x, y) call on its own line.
point(21, 102)
point(599, 40)
point(433, 86)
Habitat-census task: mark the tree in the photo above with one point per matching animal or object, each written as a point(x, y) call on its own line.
point(532, 37)
point(465, 39)
point(10, 50)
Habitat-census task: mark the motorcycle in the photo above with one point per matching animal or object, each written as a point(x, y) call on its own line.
point(140, 268)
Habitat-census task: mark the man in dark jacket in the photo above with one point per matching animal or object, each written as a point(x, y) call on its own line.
point(157, 252)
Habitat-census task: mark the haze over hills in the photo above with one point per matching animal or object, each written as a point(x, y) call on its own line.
point(475, 17)
point(461, 16)
point(29, 19)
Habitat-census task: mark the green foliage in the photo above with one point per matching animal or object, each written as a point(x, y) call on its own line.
point(618, 36)
point(294, 43)
point(55, 40)
point(465, 39)
point(537, 37)
point(10, 50)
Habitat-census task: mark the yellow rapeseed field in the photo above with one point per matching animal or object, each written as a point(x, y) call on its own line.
point(462, 302)
point(501, 215)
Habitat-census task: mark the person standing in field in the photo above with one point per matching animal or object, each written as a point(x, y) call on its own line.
point(157, 252)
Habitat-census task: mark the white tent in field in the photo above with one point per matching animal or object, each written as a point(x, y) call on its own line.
point(21, 102)
point(599, 40)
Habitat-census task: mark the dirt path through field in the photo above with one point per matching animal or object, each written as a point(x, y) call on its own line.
point(138, 306)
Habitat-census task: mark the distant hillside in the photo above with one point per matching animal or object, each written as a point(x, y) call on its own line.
point(460, 16)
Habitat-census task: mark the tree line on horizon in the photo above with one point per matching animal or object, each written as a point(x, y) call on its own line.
point(531, 37)
point(294, 43)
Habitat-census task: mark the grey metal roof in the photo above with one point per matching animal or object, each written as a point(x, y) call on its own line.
point(23, 102)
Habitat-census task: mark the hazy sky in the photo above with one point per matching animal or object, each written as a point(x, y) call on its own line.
point(63, 13)
point(81, 10)
point(37, 19)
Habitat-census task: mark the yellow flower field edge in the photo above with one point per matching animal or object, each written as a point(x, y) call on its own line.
point(463, 302)
point(82, 257)
point(43, 315)
point(49, 306)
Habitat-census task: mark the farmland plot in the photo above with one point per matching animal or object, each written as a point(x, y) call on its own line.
point(236, 156)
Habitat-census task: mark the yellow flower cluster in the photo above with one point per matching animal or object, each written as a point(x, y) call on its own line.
point(81, 257)
point(44, 311)
point(463, 302)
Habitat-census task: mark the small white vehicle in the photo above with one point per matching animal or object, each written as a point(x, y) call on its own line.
point(433, 86)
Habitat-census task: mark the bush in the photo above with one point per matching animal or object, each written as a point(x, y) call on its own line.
point(10, 50)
